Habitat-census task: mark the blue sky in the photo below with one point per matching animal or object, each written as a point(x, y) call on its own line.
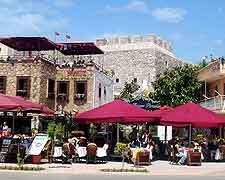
point(196, 28)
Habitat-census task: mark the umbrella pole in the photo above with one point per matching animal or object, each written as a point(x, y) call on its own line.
point(117, 133)
point(220, 132)
point(189, 134)
point(13, 123)
point(165, 135)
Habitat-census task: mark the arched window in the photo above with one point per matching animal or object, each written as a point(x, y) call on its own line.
point(104, 93)
point(99, 90)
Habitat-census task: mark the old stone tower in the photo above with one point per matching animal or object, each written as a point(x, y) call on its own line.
point(138, 58)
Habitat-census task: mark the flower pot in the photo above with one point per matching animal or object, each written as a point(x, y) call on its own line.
point(36, 159)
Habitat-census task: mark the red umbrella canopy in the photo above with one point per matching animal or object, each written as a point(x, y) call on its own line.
point(29, 105)
point(47, 111)
point(194, 115)
point(162, 111)
point(115, 112)
point(25, 105)
point(14, 103)
point(8, 104)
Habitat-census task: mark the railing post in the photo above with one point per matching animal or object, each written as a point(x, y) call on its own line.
point(214, 102)
point(221, 102)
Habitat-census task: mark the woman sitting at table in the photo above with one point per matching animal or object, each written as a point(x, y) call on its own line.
point(136, 142)
point(145, 138)
point(181, 152)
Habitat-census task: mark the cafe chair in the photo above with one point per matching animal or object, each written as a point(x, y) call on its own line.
point(91, 153)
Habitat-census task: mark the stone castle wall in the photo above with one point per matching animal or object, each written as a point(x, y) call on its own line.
point(143, 58)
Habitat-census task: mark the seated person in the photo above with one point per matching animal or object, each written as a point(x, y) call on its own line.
point(145, 138)
point(181, 152)
point(68, 151)
point(136, 142)
point(212, 147)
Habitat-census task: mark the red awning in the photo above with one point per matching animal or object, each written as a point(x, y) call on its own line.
point(79, 48)
point(115, 112)
point(194, 115)
point(15, 103)
point(29, 43)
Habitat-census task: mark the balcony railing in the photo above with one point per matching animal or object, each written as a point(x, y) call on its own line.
point(216, 103)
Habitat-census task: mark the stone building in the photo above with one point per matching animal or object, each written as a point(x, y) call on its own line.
point(138, 58)
point(81, 86)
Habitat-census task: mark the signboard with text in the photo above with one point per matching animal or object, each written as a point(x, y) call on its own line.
point(38, 144)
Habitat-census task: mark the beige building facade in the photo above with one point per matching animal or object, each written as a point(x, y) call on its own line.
point(81, 88)
point(213, 93)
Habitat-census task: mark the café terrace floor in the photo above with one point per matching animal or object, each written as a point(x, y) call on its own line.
point(157, 168)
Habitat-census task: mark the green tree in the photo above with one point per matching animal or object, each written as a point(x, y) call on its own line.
point(128, 91)
point(178, 86)
point(51, 130)
point(203, 63)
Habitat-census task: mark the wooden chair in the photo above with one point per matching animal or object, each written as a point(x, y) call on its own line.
point(91, 152)
point(194, 158)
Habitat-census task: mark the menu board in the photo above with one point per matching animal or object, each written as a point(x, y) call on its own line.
point(38, 144)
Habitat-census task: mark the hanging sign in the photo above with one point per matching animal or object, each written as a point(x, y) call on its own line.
point(73, 74)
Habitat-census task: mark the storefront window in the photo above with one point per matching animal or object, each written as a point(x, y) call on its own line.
point(23, 87)
point(80, 96)
point(62, 91)
point(2, 84)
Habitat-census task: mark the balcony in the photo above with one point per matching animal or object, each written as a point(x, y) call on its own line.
point(213, 71)
point(216, 104)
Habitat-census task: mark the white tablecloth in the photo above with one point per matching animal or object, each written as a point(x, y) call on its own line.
point(57, 152)
point(81, 151)
point(101, 152)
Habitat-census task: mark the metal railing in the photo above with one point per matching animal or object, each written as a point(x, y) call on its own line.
point(214, 103)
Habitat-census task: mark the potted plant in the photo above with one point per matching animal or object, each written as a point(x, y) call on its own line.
point(122, 149)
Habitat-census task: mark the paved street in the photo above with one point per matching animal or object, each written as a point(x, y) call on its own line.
point(40, 176)
point(158, 170)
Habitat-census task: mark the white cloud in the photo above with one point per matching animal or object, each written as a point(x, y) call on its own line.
point(135, 6)
point(218, 42)
point(170, 15)
point(31, 17)
point(140, 6)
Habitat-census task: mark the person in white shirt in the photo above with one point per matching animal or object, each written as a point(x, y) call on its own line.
point(5, 129)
